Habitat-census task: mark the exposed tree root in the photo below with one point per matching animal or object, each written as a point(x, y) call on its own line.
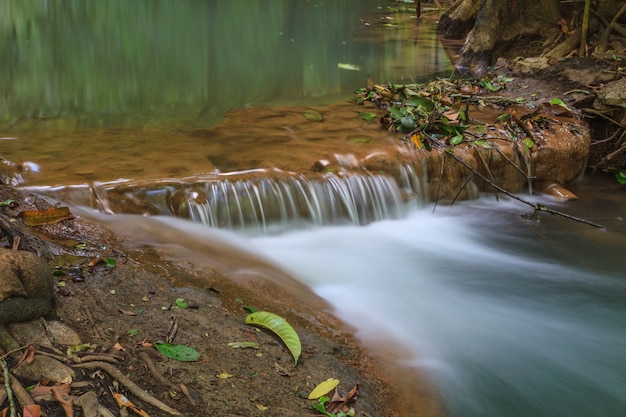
point(130, 385)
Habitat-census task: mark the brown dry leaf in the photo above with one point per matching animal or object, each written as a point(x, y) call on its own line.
point(128, 313)
point(44, 392)
point(124, 402)
point(31, 410)
point(28, 355)
point(61, 396)
point(119, 347)
point(49, 216)
point(452, 115)
point(338, 401)
point(4, 412)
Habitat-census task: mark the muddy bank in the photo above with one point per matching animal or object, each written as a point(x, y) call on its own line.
point(134, 303)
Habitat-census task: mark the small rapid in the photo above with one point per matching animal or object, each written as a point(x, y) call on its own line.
point(504, 327)
point(509, 317)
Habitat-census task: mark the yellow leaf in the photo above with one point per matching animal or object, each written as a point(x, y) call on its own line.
point(261, 407)
point(323, 388)
point(224, 375)
point(415, 139)
point(49, 216)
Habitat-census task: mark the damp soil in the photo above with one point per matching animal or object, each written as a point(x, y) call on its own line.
point(121, 310)
point(135, 301)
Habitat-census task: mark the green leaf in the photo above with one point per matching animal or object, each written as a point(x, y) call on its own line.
point(179, 352)
point(559, 102)
point(483, 143)
point(6, 202)
point(489, 86)
point(621, 177)
point(455, 140)
point(312, 115)
point(397, 113)
point(319, 406)
point(132, 332)
point(110, 262)
point(408, 122)
point(421, 102)
point(528, 142)
point(280, 327)
point(180, 303)
point(368, 117)
point(502, 117)
point(249, 308)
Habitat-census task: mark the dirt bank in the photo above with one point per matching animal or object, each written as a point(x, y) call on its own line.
point(121, 310)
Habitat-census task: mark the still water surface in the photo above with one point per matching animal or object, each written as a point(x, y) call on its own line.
point(509, 317)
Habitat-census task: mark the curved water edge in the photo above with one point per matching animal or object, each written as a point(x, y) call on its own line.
point(508, 316)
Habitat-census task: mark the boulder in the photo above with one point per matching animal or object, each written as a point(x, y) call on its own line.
point(26, 287)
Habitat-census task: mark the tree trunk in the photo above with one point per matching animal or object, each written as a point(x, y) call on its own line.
point(497, 24)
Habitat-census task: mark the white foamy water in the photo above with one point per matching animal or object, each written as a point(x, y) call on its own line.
point(510, 317)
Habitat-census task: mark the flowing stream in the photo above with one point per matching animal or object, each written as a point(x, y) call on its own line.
point(508, 316)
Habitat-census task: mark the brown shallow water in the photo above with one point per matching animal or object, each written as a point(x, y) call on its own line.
point(260, 138)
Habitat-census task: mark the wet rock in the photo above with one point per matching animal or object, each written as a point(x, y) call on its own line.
point(44, 333)
point(88, 402)
point(320, 165)
point(561, 152)
point(554, 189)
point(25, 287)
point(613, 94)
point(44, 367)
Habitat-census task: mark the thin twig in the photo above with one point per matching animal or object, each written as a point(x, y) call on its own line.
point(7, 386)
point(440, 179)
point(537, 206)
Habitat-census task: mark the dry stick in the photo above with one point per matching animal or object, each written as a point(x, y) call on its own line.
point(488, 170)
point(537, 207)
point(7, 385)
point(601, 114)
point(130, 385)
point(23, 397)
point(467, 181)
point(155, 372)
point(584, 29)
point(440, 177)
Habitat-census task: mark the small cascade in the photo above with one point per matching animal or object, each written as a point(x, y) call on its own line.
point(259, 204)
point(256, 204)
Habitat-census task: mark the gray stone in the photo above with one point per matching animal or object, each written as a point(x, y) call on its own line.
point(25, 288)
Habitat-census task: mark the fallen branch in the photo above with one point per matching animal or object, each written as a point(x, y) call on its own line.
point(130, 385)
point(537, 207)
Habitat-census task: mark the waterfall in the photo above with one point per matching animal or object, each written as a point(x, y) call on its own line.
point(257, 204)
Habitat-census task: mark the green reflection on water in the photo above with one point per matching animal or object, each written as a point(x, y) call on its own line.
point(112, 62)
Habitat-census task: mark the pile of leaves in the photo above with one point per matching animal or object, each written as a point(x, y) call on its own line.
point(438, 113)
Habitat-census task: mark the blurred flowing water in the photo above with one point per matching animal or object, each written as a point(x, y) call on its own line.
point(509, 317)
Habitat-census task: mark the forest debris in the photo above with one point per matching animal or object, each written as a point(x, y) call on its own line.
point(31, 410)
point(130, 385)
point(61, 396)
point(339, 402)
point(47, 216)
point(124, 402)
